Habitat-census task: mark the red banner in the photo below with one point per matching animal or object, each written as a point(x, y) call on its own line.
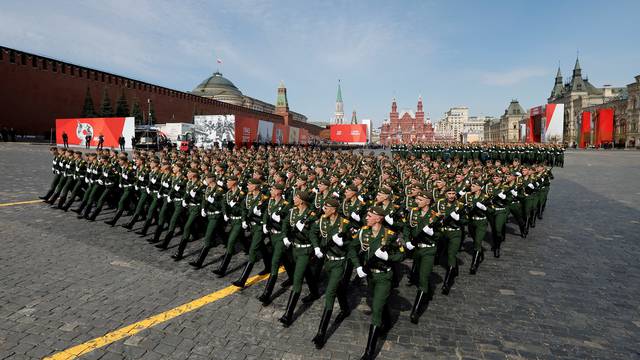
point(604, 127)
point(110, 128)
point(585, 131)
point(349, 133)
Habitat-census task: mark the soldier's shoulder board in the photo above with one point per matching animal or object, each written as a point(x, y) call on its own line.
point(390, 232)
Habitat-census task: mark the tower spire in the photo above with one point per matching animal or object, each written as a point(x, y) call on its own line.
point(339, 114)
point(354, 118)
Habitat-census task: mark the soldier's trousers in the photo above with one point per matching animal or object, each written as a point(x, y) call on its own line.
point(544, 193)
point(528, 206)
point(164, 211)
point(335, 283)
point(380, 287)
point(69, 184)
point(498, 221)
point(234, 235)
point(424, 259)
point(193, 214)
point(280, 255)
point(177, 211)
point(93, 194)
point(452, 238)
point(74, 192)
point(153, 206)
point(126, 193)
point(64, 180)
point(477, 230)
point(515, 208)
point(103, 197)
point(141, 203)
point(301, 259)
point(212, 225)
point(54, 184)
point(258, 245)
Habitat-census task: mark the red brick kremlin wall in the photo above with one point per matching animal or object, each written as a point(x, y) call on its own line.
point(35, 90)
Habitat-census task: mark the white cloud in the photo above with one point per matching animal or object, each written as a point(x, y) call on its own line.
point(512, 77)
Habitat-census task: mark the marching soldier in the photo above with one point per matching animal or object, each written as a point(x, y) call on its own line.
point(451, 211)
point(127, 178)
point(476, 208)
point(192, 202)
point(211, 210)
point(232, 213)
point(499, 212)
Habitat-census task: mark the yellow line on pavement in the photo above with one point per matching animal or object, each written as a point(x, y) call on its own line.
point(21, 203)
point(154, 320)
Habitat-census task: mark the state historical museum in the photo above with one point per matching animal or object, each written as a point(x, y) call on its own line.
point(406, 127)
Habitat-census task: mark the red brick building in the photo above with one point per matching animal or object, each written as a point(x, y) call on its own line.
point(406, 127)
point(35, 90)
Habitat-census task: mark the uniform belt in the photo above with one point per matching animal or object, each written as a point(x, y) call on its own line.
point(235, 217)
point(422, 246)
point(450, 229)
point(126, 185)
point(155, 191)
point(193, 204)
point(478, 218)
point(378, 271)
point(274, 231)
point(335, 258)
point(301, 246)
point(213, 212)
point(499, 208)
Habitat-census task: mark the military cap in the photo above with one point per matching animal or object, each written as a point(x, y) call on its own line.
point(303, 177)
point(255, 181)
point(325, 182)
point(385, 190)
point(377, 210)
point(305, 196)
point(278, 186)
point(425, 194)
point(360, 176)
point(210, 175)
point(332, 203)
point(352, 187)
point(232, 177)
point(476, 181)
point(154, 159)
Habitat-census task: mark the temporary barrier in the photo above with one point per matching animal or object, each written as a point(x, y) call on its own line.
point(111, 129)
point(349, 133)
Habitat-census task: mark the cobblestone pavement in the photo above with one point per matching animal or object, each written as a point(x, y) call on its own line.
point(569, 291)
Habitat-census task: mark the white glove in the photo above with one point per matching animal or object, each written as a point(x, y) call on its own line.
point(100, 182)
point(427, 230)
point(319, 253)
point(481, 206)
point(389, 219)
point(514, 193)
point(205, 182)
point(244, 225)
point(337, 239)
point(165, 184)
point(169, 198)
point(531, 186)
point(315, 190)
point(360, 272)
point(455, 216)
point(355, 216)
point(518, 173)
point(203, 213)
point(176, 188)
point(360, 198)
point(264, 229)
point(136, 187)
point(335, 194)
point(300, 225)
point(286, 242)
point(120, 186)
point(184, 203)
point(232, 203)
point(275, 217)
point(153, 180)
point(226, 218)
point(257, 211)
point(461, 193)
point(502, 196)
point(409, 245)
point(210, 199)
point(192, 193)
point(382, 254)
point(219, 182)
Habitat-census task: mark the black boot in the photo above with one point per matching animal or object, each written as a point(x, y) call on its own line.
point(245, 275)
point(314, 293)
point(222, 269)
point(94, 214)
point(415, 311)
point(165, 243)
point(412, 274)
point(52, 199)
point(496, 251)
point(145, 228)
point(131, 222)
point(203, 254)
point(287, 318)
point(79, 210)
point(287, 282)
point(266, 259)
point(448, 279)
point(156, 235)
point(265, 298)
point(181, 247)
point(532, 220)
point(475, 263)
point(372, 342)
point(345, 311)
point(85, 213)
point(319, 339)
point(115, 218)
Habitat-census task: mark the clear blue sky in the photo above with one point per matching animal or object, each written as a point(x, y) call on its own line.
point(475, 53)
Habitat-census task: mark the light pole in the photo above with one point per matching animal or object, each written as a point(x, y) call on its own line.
point(149, 116)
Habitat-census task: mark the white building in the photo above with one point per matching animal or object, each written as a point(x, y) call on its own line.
point(453, 122)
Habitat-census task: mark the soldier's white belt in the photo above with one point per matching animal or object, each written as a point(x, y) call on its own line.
point(126, 185)
point(478, 218)
point(335, 258)
point(274, 231)
point(498, 208)
point(213, 212)
point(190, 204)
point(235, 217)
point(301, 246)
point(422, 246)
point(450, 229)
point(377, 271)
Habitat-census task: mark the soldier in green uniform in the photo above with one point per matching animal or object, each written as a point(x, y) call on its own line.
point(476, 203)
point(420, 236)
point(106, 181)
point(297, 227)
point(66, 175)
point(144, 175)
point(171, 199)
point(192, 202)
point(56, 170)
point(529, 203)
point(373, 253)
point(127, 178)
point(514, 200)
point(498, 212)
point(158, 196)
point(332, 233)
point(79, 172)
point(232, 213)
point(211, 210)
point(451, 209)
point(253, 208)
point(274, 218)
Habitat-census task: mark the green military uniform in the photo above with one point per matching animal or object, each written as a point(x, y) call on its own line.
point(211, 210)
point(476, 210)
point(192, 202)
point(232, 213)
point(451, 211)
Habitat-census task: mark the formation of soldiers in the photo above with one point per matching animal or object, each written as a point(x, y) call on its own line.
point(322, 215)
